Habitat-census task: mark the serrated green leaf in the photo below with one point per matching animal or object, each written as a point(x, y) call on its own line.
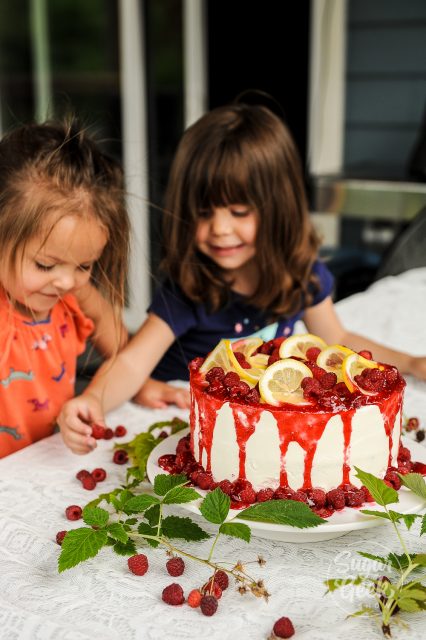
point(377, 514)
point(215, 506)
point(419, 559)
point(289, 512)
point(336, 583)
point(127, 549)
point(415, 482)
point(236, 530)
point(79, 545)
point(380, 491)
point(103, 496)
point(369, 611)
point(130, 521)
point(134, 472)
point(145, 529)
point(185, 528)
point(181, 495)
point(153, 515)
point(159, 425)
point(164, 482)
point(423, 525)
point(139, 504)
point(116, 503)
point(178, 425)
point(117, 531)
point(408, 604)
point(95, 516)
point(371, 556)
point(409, 519)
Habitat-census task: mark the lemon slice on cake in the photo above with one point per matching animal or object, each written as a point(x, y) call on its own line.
point(219, 357)
point(247, 346)
point(331, 359)
point(281, 382)
point(352, 366)
point(296, 346)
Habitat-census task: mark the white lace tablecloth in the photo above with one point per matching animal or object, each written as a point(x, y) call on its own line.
point(101, 599)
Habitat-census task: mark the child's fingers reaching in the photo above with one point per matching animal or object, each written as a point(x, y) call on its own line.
point(157, 395)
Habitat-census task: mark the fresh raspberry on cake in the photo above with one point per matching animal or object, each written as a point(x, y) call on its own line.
point(138, 564)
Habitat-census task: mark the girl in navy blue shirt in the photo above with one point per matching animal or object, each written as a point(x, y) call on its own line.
point(240, 259)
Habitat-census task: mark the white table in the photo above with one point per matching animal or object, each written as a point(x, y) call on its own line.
point(101, 599)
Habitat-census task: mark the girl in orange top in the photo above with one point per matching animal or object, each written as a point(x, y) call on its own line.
point(64, 235)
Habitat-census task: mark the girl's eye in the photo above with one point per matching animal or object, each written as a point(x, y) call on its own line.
point(44, 267)
point(204, 214)
point(240, 213)
point(85, 267)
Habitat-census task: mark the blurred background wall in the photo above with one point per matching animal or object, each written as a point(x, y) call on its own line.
point(348, 76)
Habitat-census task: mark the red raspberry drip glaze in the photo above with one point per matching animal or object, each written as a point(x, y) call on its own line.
point(307, 425)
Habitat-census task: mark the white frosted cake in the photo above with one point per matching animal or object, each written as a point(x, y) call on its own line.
point(294, 426)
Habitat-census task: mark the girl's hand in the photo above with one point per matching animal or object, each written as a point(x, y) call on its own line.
point(417, 367)
point(158, 395)
point(75, 419)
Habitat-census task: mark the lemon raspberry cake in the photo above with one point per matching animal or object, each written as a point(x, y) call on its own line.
point(291, 419)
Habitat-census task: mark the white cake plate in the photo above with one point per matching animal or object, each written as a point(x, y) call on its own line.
point(340, 523)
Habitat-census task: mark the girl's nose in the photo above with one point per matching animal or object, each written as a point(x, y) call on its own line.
point(221, 222)
point(65, 281)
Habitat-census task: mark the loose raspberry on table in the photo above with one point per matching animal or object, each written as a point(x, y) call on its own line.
point(73, 512)
point(283, 628)
point(120, 456)
point(60, 536)
point(88, 482)
point(412, 424)
point(98, 431)
point(221, 577)
point(109, 434)
point(99, 474)
point(82, 474)
point(175, 566)
point(208, 605)
point(420, 435)
point(138, 564)
point(173, 594)
point(212, 588)
point(120, 431)
point(194, 598)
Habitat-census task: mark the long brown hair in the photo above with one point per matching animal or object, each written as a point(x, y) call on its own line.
point(241, 154)
point(58, 168)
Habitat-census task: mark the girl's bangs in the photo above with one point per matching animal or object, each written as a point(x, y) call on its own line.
point(222, 180)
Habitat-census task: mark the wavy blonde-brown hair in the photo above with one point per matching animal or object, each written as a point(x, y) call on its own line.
point(241, 154)
point(58, 168)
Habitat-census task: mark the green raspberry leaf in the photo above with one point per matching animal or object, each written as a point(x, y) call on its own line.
point(117, 531)
point(419, 559)
point(139, 504)
point(103, 496)
point(95, 516)
point(145, 529)
point(127, 549)
point(236, 530)
point(289, 512)
point(415, 482)
point(377, 514)
point(180, 495)
point(335, 583)
point(185, 528)
point(164, 482)
point(215, 506)
point(178, 425)
point(423, 527)
point(153, 515)
point(408, 604)
point(380, 491)
point(79, 545)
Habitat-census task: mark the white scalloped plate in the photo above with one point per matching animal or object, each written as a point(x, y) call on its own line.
point(338, 524)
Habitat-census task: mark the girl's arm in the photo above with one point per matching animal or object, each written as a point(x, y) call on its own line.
point(322, 320)
point(117, 380)
point(110, 334)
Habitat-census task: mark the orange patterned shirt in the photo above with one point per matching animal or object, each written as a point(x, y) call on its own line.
point(37, 369)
